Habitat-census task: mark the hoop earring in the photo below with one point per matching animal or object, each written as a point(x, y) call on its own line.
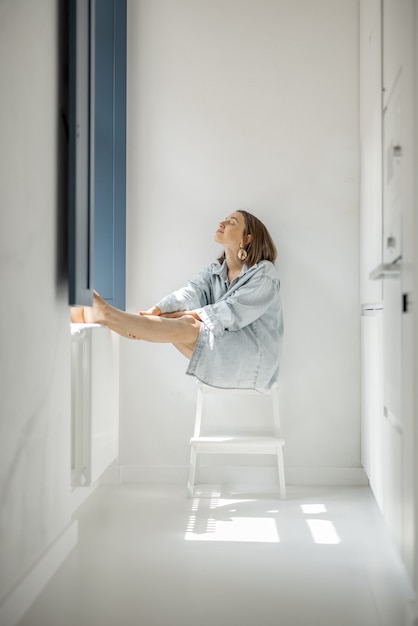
point(242, 253)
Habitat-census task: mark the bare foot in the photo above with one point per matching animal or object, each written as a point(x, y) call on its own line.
point(96, 313)
point(89, 314)
point(77, 314)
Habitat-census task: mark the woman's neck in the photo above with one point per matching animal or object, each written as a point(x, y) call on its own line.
point(234, 265)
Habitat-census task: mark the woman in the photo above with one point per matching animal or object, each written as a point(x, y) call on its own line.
point(228, 321)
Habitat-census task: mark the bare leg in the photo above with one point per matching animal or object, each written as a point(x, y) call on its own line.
point(182, 331)
point(186, 349)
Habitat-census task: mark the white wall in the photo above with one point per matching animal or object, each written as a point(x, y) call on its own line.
point(371, 152)
point(34, 322)
point(245, 104)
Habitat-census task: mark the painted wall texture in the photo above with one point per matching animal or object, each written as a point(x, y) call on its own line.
point(254, 105)
point(34, 330)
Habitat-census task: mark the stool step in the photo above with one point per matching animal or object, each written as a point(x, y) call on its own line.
point(232, 444)
point(270, 443)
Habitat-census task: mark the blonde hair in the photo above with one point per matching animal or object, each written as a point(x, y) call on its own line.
point(261, 247)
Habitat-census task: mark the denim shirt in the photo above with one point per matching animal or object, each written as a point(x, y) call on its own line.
point(239, 344)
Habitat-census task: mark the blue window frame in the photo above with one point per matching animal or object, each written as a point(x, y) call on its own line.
point(97, 194)
point(80, 205)
point(110, 151)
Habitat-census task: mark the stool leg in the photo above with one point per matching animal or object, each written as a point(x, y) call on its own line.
point(192, 472)
point(280, 465)
point(197, 426)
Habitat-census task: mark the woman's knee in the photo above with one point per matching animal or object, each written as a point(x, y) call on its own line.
point(191, 326)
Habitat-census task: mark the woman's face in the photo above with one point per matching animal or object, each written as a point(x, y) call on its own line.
point(230, 232)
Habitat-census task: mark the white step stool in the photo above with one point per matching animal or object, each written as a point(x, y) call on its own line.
point(235, 444)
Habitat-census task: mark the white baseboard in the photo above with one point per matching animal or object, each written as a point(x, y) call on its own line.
point(176, 474)
point(343, 476)
point(111, 476)
point(80, 495)
point(23, 595)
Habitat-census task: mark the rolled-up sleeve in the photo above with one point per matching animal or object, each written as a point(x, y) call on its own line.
point(242, 306)
point(196, 294)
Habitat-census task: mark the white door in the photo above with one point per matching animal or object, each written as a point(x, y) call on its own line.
point(392, 310)
point(399, 271)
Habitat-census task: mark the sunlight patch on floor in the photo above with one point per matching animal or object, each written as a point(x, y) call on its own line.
point(223, 523)
point(244, 529)
point(322, 531)
point(232, 519)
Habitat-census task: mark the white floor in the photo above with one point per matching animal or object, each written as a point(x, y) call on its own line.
point(147, 556)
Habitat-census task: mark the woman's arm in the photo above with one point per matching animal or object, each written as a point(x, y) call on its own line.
point(244, 305)
point(195, 295)
point(154, 310)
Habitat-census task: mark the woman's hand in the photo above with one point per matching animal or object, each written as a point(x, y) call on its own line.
point(182, 314)
point(154, 310)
